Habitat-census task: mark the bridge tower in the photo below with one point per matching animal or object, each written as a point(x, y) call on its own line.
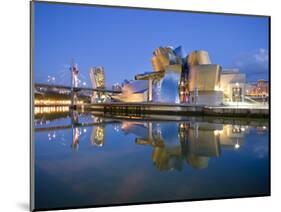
point(74, 72)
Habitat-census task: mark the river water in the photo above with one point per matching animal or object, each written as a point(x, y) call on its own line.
point(87, 160)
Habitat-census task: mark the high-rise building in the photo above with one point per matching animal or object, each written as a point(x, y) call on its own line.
point(98, 82)
point(97, 77)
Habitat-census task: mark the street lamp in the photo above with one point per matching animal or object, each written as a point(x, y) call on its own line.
point(51, 79)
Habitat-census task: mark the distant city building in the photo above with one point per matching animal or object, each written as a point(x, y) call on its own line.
point(257, 92)
point(116, 87)
point(260, 88)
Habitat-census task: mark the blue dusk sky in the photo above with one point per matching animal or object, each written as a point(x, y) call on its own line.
point(122, 40)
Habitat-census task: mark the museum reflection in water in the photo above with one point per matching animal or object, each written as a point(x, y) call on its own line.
point(173, 143)
point(187, 142)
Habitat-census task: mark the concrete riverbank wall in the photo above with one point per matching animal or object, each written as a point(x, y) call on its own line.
point(172, 109)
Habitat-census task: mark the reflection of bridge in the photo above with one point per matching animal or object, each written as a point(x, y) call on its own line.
point(69, 126)
point(75, 125)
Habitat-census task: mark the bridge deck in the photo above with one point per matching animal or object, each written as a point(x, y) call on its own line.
point(48, 86)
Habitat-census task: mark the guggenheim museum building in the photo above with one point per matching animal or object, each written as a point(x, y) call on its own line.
point(177, 77)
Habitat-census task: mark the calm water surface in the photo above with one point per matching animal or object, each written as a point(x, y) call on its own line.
point(83, 160)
